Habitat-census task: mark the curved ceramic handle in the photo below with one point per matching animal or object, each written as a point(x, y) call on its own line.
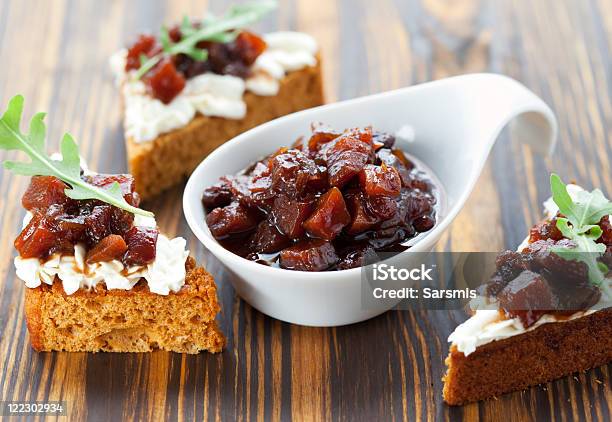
point(470, 111)
point(496, 100)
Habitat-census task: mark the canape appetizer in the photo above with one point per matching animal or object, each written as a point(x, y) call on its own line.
point(201, 83)
point(99, 275)
point(325, 203)
point(546, 312)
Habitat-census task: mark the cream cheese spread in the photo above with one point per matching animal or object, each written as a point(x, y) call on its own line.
point(166, 273)
point(210, 94)
point(486, 325)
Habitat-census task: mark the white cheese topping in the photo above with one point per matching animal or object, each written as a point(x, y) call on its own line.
point(75, 274)
point(210, 94)
point(286, 51)
point(486, 325)
point(166, 273)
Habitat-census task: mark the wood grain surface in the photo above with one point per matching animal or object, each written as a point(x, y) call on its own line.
point(389, 368)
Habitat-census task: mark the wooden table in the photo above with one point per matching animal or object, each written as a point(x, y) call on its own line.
point(55, 53)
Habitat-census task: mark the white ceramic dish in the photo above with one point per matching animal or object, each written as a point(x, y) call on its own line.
point(456, 121)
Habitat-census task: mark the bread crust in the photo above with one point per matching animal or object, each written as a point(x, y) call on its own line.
point(133, 320)
point(171, 157)
point(546, 353)
point(33, 300)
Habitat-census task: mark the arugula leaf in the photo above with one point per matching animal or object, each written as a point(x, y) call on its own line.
point(236, 17)
point(580, 226)
point(589, 207)
point(586, 250)
point(68, 169)
point(164, 39)
point(187, 28)
point(218, 29)
point(560, 195)
point(146, 66)
point(224, 37)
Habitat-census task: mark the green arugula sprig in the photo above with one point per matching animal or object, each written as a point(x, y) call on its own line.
point(221, 29)
point(580, 224)
point(68, 169)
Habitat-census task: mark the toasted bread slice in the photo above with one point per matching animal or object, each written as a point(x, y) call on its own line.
point(171, 157)
point(546, 353)
point(133, 320)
